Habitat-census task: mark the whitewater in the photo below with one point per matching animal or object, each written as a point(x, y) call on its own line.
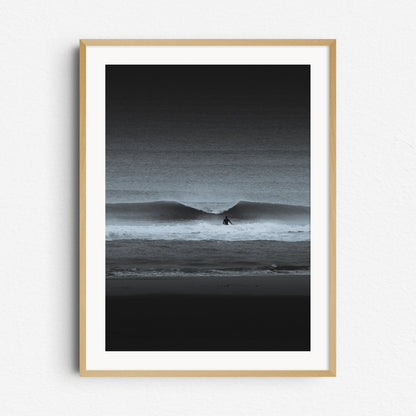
point(197, 230)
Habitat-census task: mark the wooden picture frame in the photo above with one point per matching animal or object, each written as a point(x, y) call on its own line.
point(86, 331)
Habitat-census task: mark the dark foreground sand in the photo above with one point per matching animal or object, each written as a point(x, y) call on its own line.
point(270, 313)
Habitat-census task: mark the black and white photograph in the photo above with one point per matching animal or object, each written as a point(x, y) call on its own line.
point(207, 207)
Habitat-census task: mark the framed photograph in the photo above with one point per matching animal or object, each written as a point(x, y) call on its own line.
point(207, 207)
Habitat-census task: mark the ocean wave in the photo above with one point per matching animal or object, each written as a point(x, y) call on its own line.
point(168, 211)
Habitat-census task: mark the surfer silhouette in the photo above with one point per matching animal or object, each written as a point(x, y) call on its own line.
point(226, 221)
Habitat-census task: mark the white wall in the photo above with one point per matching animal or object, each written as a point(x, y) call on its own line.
point(376, 207)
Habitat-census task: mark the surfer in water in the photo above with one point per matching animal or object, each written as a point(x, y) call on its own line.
point(226, 221)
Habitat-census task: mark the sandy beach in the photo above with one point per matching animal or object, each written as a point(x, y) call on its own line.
point(217, 314)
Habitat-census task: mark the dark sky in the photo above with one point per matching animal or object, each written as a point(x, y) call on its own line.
point(211, 133)
point(158, 105)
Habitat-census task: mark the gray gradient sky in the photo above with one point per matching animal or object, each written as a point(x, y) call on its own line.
point(208, 132)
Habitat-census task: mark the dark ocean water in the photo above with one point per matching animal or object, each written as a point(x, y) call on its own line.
point(209, 178)
point(211, 258)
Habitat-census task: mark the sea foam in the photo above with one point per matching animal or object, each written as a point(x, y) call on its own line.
point(200, 230)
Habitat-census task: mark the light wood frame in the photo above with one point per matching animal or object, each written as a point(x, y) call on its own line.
point(331, 43)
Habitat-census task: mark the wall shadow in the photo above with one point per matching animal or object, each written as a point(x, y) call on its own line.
point(74, 97)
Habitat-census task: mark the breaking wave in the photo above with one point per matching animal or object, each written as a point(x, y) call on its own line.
point(165, 220)
point(168, 211)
